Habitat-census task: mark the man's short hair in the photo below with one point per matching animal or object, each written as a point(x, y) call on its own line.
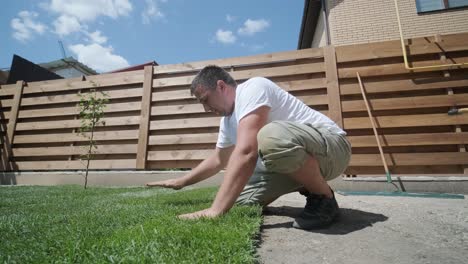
point(209, 76)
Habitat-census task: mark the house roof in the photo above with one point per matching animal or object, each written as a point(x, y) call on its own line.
point(68, 62)
point(25, 70)
point(135, 67)
point(309, 23)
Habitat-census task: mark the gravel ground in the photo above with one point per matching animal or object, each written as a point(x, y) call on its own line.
point(371, 229)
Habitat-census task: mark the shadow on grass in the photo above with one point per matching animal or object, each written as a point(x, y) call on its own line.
point(350, 220)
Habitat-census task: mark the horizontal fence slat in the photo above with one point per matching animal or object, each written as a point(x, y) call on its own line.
point(389, 49)
point(179, 155)
point(242, 75)
point(116, 121)
point(60, 138)
point(7, 89)
point(172, 164)
point(406, 121)
point(6, 103)
point(314, 100)
point(396, 68)
point(410, 139)
point(95, 82)
point(240, 61)
point(281, 71)
point(441, 170)
point(172, 95)
point(201, 122)
point(74, 150)
point(74, 98)
point(75, 164)
point(67, 111)
point(407, 102)
point(180, 139)
point(310, 84)
point(177, 109)
point(385, 86)
point(407, 159)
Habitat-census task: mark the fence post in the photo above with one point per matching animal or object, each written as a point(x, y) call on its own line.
point(7, 155)
point(458, 128)
point(333, 85)
point(145, 115)
point(3, 141)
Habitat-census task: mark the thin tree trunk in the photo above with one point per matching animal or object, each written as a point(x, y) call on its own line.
point(91, 143)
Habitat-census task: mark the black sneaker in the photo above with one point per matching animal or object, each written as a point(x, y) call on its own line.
point(303, 191)
point(318, 212)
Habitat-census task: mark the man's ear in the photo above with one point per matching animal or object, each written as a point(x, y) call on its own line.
point(222, 85)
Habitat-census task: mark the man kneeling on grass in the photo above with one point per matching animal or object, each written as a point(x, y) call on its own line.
point(270, 144)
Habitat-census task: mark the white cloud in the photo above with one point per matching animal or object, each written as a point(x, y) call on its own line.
point(89, 10)
point(225, 37)
point(152, 11)
point(74, 14)
point(257, 47)
point(253, 26)
point(230, 18)
point(97, 37)
point(98, 57)
point(66, 24)
point(25, 27)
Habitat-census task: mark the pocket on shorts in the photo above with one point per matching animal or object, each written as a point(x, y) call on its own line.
point(318, 145)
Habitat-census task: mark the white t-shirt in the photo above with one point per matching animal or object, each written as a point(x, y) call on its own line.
point(257, 92)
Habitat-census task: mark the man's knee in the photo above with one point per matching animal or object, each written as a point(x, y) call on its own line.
point(279, 149)
point(271, 137)
point(253, 195)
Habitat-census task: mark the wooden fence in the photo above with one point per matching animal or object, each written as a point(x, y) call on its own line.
point(153, 122)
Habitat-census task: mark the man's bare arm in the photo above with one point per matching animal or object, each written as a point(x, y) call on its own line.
point(241, 164)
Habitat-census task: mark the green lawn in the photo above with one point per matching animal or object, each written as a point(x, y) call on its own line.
point(67, 224)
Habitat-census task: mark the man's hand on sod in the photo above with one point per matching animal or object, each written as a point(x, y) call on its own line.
point(175, 184)
point(207, 213)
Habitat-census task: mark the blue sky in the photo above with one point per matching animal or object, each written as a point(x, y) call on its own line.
point(111, 34)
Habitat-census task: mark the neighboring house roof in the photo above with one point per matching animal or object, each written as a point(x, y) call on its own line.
point(309, 23)
point(135, 67)
point(69, 62)
point(25, 70)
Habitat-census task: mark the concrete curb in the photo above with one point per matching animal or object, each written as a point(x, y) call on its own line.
point(410, 183)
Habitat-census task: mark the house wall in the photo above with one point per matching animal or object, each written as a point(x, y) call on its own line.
point(320, 36)
point(364, 21)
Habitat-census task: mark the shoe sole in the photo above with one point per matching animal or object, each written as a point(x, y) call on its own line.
point(316, 227)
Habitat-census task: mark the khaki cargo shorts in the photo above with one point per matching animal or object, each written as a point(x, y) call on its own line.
point(283, 147)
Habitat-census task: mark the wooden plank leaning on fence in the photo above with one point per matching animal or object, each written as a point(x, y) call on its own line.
point(7, 154)
point(142, 149)
point(333, 86)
